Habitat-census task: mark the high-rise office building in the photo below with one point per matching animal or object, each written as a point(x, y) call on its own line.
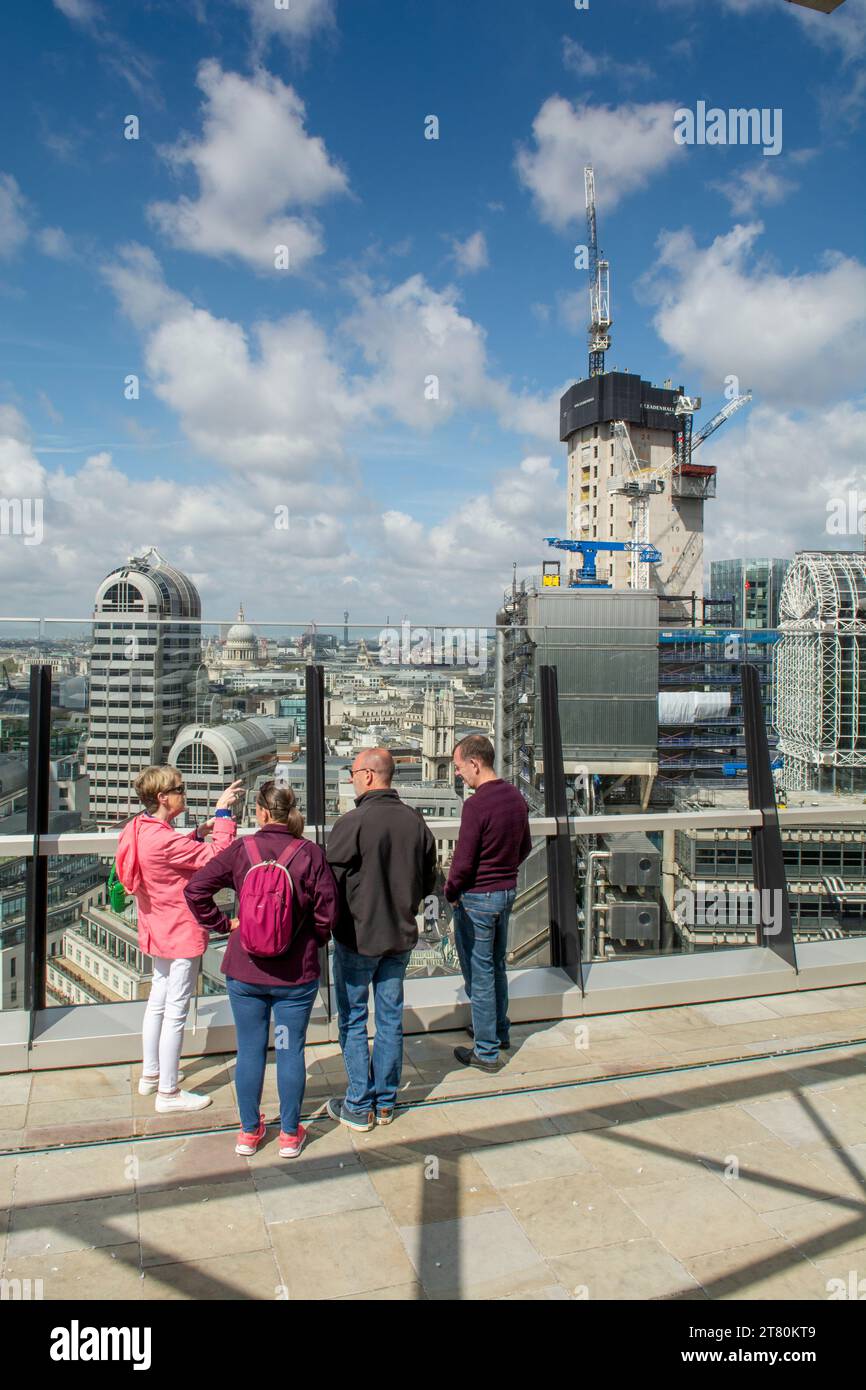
point(146, 677)
point(755, 587)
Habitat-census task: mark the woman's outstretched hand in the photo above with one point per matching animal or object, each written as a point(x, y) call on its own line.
point(230, 795)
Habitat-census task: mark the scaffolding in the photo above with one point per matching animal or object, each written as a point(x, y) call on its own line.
point(820, 693)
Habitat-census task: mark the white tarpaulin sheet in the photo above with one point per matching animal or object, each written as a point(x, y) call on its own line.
point(688, 706)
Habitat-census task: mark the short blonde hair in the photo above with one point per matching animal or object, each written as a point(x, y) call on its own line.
point(153, 780)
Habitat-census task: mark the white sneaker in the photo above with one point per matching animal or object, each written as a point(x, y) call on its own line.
point(184, 1100)
point(148, 1084)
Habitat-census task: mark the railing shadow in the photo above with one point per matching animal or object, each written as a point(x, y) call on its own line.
point(439, 1216)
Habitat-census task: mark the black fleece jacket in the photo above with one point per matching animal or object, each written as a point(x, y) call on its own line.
point(383, 857)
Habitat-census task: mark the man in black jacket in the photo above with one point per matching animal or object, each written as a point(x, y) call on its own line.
point(384, 860)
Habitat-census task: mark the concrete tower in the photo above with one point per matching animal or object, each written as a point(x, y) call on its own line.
point(676, 515)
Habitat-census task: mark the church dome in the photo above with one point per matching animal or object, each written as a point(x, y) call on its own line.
point(242, 644)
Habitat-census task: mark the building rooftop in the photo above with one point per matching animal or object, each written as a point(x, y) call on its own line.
point(596, 1163)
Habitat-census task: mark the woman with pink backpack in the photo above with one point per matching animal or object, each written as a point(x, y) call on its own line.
point(287, 907)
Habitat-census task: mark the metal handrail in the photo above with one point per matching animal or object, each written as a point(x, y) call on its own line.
point(104, 842)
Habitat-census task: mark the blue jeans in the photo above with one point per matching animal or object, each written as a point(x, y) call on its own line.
point(481, 937)
point(251, 1006)
point(373, 1081)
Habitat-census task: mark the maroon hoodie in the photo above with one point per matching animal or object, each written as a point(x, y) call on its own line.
point(315, 908)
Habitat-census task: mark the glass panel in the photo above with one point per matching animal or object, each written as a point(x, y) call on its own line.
point(232, 705)
point(20, 646)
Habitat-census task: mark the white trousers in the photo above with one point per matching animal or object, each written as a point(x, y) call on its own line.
point(165, 1016)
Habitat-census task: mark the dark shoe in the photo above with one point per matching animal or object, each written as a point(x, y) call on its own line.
point(467, 1057)
point(337, 1111)
point(503, 1046)
point(385, 1116)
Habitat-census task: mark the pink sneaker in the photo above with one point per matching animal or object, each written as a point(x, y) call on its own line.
point(291, 1144)
point(248, 1143)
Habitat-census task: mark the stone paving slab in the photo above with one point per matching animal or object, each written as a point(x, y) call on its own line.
point(511, 1187)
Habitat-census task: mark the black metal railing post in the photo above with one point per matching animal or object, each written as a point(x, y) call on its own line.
point(315, 700)
point(38, 791)
point(562, 903)
point(768, 860)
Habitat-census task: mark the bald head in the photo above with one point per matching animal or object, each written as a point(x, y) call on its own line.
point(373, 769)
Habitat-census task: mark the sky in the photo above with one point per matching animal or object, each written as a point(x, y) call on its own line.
point(252, 314)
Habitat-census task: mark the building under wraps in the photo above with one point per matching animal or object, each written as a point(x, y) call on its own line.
point(820, 685)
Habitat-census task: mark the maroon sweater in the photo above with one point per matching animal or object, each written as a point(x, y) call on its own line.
point(494, 840)
point(315, 906)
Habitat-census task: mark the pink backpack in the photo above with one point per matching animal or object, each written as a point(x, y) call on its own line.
point(266, 901)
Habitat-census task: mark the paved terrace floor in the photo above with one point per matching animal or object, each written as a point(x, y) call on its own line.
point(739, 1180)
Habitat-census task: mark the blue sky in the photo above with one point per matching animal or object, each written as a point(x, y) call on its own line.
point(264, 388)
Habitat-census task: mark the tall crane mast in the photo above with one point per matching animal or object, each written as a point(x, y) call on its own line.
point(599, 284)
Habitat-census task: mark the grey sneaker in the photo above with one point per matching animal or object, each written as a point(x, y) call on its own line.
point(385, 1116)
point(337, 1111)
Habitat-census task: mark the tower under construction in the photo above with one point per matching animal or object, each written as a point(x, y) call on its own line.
point(632, 477)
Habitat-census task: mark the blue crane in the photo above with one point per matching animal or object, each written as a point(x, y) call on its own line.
point(588, 577)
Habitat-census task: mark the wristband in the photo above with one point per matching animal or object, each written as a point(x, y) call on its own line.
point(221, 814)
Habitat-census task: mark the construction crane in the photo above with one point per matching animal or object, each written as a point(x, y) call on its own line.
point(638, 482)
point(588, 550)
point(599, 284)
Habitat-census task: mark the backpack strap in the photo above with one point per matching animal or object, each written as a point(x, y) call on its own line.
point(286, 855)
point(254, 854)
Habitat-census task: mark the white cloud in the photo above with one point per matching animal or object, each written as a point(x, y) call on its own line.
point(471, 254)
point(628, 145)
point(429, 361)
point(843, 32)
point(293, 23)
point(472, 550)
point(54, 242)
point(411, 333)
point(272, 402)
point(13, 216)
point(586, 64)
point(17, 225)
point(452, 570)
point(749, 188)
point(573, 310)
point(793, 338)
point(195, 525)
point(254, 162)
point(776, 476)
point(79, 11)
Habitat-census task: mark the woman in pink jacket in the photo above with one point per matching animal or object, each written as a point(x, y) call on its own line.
point(155, 862)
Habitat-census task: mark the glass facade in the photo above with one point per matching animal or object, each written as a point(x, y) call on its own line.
point(754, 586)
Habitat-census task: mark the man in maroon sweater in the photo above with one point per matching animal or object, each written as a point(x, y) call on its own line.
point(493, 842)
